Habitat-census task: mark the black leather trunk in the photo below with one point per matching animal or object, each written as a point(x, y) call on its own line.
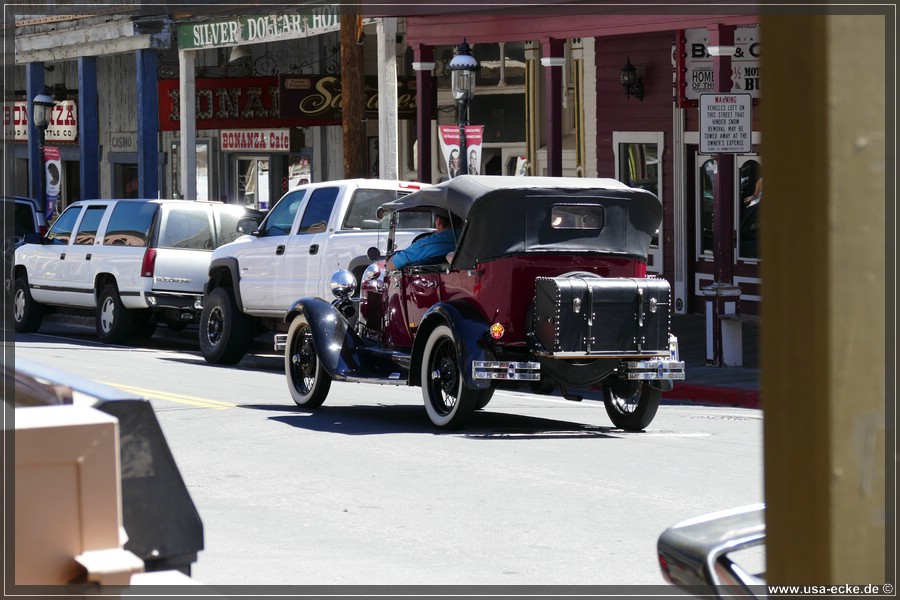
point(597, 316)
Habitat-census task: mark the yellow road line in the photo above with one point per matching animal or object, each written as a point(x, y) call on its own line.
point(190, 400)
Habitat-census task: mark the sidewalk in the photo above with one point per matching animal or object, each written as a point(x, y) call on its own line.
point(731, 386)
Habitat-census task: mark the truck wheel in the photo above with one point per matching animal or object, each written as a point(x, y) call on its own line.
point(307, 380)
point(631, 405)
point(114, 321)
point(448, 402)
point(27, 313)
point(225, 332)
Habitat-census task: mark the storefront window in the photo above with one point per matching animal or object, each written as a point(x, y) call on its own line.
point(748, 192)
point(639, 168)
point(751, 191)
point(638, 155)
point(203, 175)
point(253, 181)
point(707, 198)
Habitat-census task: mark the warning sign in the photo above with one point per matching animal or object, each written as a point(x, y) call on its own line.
point(726, 123)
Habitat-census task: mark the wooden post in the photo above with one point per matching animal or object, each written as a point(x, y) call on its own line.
point(353, 96)
point(825, 316)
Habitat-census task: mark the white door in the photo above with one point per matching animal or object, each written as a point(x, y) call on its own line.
point(307, 247)
point(44, 262)
point(261, 257)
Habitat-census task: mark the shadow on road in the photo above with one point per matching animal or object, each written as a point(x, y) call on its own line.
point(391, 419)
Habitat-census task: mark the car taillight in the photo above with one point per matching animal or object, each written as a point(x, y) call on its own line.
point(149, 263)
point(640, 269)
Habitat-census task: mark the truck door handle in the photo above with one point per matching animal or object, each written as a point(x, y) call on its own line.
point(62, 256)
point(87, 257)
point(314, 249)
point(279, 250)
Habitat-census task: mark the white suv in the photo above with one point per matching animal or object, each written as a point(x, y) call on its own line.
point(133, 263)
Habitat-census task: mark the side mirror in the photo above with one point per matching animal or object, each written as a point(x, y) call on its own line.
point(373, 254)
point(248, 225)
point(33, 238)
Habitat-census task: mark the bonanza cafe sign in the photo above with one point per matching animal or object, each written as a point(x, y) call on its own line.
point(63, 121)
point(263, 28)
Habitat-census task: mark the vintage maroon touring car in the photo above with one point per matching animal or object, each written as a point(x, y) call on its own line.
point(547, 288)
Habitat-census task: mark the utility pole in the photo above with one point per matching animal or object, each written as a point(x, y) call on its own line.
point(353, 96)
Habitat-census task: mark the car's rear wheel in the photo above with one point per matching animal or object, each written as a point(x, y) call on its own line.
point(448, 402)
point(631, 405)
point(307, 379)
point(114, 321)
point(27, 313)
point(225, 332)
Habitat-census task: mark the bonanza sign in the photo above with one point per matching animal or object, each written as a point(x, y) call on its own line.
point(231, 103)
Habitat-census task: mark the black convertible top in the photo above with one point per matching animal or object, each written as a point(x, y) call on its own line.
point(514, 215)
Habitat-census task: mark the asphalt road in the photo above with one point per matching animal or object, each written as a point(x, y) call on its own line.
point(364, 491)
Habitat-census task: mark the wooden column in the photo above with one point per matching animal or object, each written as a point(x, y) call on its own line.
point(147, 124)
point(353, 96)
point(825, 314)
point(423, 64)
point(88, 128)
point(388, 154)
point(553, 61)
point(187, 120)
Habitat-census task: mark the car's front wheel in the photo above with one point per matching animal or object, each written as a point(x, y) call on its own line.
point(114, 321)
point(225, 332)
point(27, 313)
point(307, 379)
point(448, 402)
point(631, 405)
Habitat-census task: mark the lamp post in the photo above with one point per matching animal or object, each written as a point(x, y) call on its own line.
point(41, 109)
point(462, 85)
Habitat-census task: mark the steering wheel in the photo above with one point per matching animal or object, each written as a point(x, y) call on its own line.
point(420, 236)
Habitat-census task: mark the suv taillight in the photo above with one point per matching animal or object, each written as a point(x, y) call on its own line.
point(149, 263)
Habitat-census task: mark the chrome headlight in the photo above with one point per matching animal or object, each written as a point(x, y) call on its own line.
point(343, 284)
point(373, 271)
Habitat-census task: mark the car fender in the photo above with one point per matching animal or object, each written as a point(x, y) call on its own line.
point(470, 329)
point(336, 344)
point(230, 265)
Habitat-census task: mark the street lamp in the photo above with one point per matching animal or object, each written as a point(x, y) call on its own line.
point(41, 110)
point(462, 85)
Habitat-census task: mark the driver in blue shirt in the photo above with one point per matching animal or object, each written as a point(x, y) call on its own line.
point(438, 244)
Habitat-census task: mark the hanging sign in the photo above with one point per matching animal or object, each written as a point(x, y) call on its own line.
point(261, 28)
point(53, 174)
point(320, 96)
point(63, 122)
point(726, 123)
point(456, 164)
point(694, 65)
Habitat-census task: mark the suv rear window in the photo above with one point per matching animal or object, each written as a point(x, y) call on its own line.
point(187, 228)
point(25, 219)
point(129, 224)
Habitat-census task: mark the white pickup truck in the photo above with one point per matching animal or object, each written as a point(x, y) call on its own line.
point(131, 263)
point(313, 231)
